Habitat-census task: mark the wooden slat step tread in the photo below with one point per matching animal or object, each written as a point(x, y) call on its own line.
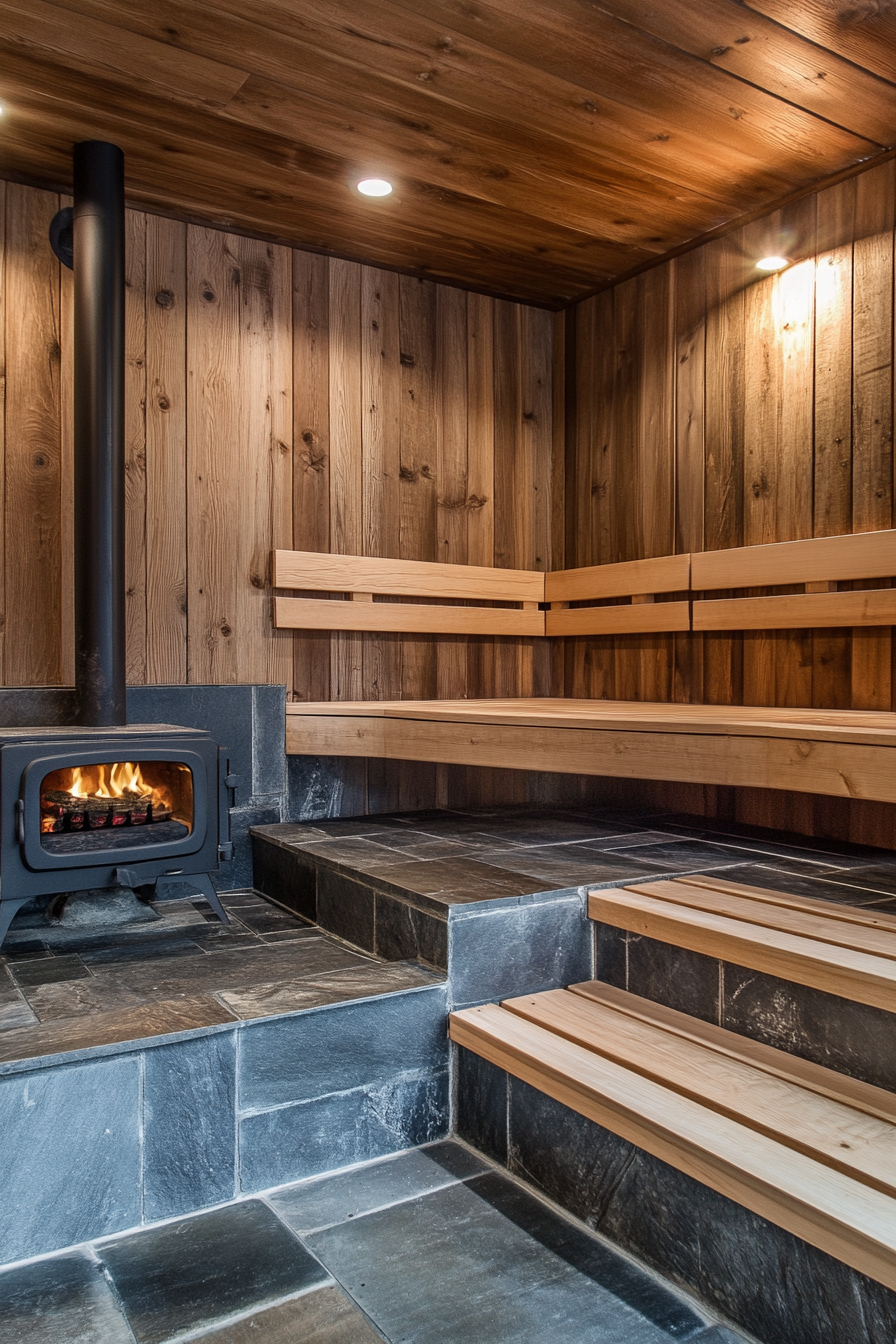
point(794, 938)
point(810, 1150)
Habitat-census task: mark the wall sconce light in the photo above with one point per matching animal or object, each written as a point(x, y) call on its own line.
point(375, 186)
point(772, 264)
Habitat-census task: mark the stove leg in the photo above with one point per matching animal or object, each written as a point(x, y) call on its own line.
point(204, 883)
point(8, 911)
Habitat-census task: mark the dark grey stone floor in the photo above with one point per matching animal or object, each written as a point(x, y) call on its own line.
point(433, 1246)
point(182, 971)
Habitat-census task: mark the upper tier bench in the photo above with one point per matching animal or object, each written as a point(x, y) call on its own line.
point(845, 753)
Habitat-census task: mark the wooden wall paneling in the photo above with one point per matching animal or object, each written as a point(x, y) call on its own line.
point(32, 531)
point(480, 652)
point(135, 446)
point(346, 508)
point(835, 227)
point(381, 485)
point(872, 475)
point(795, 443)
point(166, 450)
point(418, 499)
point(451, 468)
point(67, 444)
point(656, 459)
point(690, 465)
point(724, 410)
point(629, 341)
point(559, 408)
point(266, 368)
point(216, 493)
point(538, 443)
point(311, 454)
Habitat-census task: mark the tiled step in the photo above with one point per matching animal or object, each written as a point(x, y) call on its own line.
point(839, 949)
point(811, 1151)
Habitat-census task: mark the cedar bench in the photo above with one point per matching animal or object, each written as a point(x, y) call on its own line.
point(842, 753)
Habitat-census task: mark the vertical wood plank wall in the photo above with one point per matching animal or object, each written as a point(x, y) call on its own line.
point(713, 408)
point(277, 398)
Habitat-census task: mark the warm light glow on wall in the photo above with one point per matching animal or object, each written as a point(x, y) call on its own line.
point(772, 264)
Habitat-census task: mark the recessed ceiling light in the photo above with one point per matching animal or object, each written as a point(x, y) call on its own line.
point(772, 264)
point(374, 186)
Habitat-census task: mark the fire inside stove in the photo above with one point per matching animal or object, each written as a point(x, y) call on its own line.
point(111, 795)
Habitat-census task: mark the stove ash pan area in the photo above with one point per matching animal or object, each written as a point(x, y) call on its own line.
point(94, 808)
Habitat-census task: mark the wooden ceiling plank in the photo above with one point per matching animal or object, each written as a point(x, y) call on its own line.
point(591, 47)
point(754, 48)
point(419, 74)
point(209, 164)
point(36, 24)
point(862, 33)
point(463, 164)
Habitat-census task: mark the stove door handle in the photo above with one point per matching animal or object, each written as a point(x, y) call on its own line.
point(20, 820)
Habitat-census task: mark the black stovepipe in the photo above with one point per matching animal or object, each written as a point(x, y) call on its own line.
point(98, 229)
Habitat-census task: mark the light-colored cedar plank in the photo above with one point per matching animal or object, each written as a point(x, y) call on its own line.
point(514, 479)
point(871, 727)
point(135, 355)
point(666, 574)
point(850, 914)
point(822, 1206)
point(804, 921)
point(840, 1137)
point(858, 976)
point(346, 512)
point(867, 555)
point(690, 410)
point(166, 450)
point(31, 532)
point(826, 1082)
point(451, 468)
point(404, 578)
point(539, 439)
point(297, 613)
point(215, 501)
point(833, 360)
point(311, 455)
point(797, 610)
point(480, 430)
point(640, 616)
point(771, 763)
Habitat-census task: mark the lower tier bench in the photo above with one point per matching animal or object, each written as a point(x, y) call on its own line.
point(810, 1150)
point(843, 753)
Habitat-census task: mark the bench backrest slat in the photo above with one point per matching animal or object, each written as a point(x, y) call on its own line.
point(630, 578)
point(866, 555)
point(404, 578)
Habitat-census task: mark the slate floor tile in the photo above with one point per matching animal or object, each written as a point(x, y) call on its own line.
point(336, 1199)
point(799, 884)
point(877, 880)
point(325, 1316)
point(64, 1300)
point(314, 991)
point(485, 1260)
point(155, 951)
point(52, 971)
point(181, 1276)
point(683, 856)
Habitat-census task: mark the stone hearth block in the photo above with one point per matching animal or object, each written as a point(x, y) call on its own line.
point(189, 1125)
point(286, 876)
point(295, 1142)
point(681, 979)
point(481, 1104)
point(405, 932)
point(179, 1277)
point(852, 1038)
point(71, 1165)
point(768, 1281)
point(610, 955)
point(518, 948)
point(345, 907)
point(65, 1300)
point(345, 1046)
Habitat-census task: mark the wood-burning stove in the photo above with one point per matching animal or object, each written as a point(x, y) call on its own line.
point(86, 809)
point(105, 804)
